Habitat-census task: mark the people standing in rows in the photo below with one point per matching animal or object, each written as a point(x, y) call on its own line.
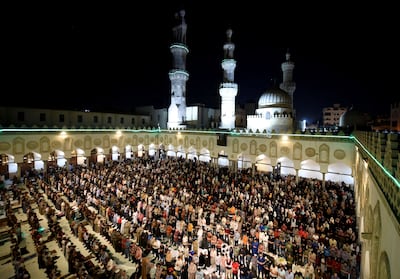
point(281, 197)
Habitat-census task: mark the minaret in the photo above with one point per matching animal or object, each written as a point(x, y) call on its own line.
point(178, 75)
point(288, 84)
point(228, 88)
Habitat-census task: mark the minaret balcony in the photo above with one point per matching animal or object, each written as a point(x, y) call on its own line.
point(175, 46)
point(228, 64)
point(228, 85)
point(177, 74)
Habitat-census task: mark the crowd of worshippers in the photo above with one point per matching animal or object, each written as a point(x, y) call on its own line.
point(46, 259)
point(14, 233)
point(99, 263)
point(274, 226)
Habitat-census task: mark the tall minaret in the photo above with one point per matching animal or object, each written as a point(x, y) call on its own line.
point(228, 88)
point(178, 74)
point(288, 84)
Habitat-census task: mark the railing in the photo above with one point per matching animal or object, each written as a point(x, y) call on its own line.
point(388, 184)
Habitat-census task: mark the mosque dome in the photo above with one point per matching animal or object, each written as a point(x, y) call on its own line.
point(275, 97)
point(354, 118)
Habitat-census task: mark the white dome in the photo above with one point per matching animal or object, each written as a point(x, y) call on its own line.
point(274, 97)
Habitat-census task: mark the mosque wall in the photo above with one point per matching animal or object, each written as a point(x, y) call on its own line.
point(379, 229)
point(322, 150)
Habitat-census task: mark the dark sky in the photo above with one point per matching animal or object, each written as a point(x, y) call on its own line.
point(115, 57)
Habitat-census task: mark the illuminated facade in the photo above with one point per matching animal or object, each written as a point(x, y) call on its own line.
point(275, 111)
point(178, 76)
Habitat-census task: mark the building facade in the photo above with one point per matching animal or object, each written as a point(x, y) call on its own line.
point(331, 115)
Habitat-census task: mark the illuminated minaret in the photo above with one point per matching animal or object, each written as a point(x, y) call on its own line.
point(228, 88)
point(288, 84)
point(178, 75)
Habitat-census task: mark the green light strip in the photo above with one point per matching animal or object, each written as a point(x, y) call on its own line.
point(396, 182)
point(232, 133)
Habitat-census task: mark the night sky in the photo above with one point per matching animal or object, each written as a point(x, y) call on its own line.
point(113, 57)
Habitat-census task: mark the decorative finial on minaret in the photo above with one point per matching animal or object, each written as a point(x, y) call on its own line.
point(287, 55)
point(229, 35)
point(182, 14)
point(179, 31)
point(229, 47)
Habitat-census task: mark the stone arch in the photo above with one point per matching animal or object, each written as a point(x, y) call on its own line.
point(297, 149)
point(152, 149)
point(310, 169)
point(87, 142)
point(128, 151)
point(375, 244)
point(181, 152)
point(243, 161)
point(115, 153)
point(171, 150)
point(97, 155)
point(339, 172)
point(192, 153)
point(287, 166)
point(273, 149)
point(253, 147)
point(263, 163)
point(44, 144)
point(384, 267)
point(18, 145)
point(324, 153)
point(205, 155)
point(58, 156)
point(78, 157)
point(140, 150)
point(223, 160)
point(67, 144)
